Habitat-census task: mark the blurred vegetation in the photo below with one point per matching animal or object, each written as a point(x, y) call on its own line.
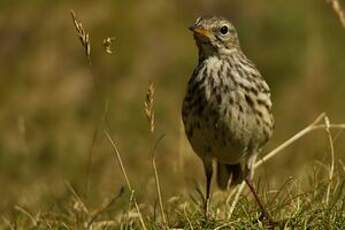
point(52, 103)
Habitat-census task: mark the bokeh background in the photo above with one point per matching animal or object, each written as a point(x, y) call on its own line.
point(51, 104)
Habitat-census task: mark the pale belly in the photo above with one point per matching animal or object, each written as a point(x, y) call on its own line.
point(227, 132)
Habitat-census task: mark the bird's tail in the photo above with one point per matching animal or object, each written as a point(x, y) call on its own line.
point(228, 175)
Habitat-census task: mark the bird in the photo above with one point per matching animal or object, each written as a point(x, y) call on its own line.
point(227, 108)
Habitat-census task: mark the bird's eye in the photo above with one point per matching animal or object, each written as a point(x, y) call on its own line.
point(224, 29)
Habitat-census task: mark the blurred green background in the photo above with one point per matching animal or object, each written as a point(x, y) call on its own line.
point(51, 103)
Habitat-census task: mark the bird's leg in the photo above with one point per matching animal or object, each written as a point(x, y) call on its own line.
point(257, 199)
point(208, 172)
point(249, 182)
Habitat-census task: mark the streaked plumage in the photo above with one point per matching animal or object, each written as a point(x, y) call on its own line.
point(227, 108)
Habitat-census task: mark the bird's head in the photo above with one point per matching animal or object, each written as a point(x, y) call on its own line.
point(215, 36)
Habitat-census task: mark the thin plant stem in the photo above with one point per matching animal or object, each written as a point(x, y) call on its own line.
point(331, 169)
point(158, 187)
point(313, 126)
point(102, 122)
point(117, 156)
point(289, 141)
point(28, 214)
point(237, 197)
point(77, 197)
point(8, 223)
point(104, 208)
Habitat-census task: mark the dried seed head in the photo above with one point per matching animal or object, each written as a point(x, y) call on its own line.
point(148, 106)
point(107, 43)
point(338, 10)
point(84, 36)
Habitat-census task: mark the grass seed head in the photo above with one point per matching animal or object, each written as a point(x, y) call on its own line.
point(108, 44)
point(148, 106)
point(338, 10)
point(84, 36)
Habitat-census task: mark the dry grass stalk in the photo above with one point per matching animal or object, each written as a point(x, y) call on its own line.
point(78, 201)
point(185, 214)
point(313, 126)
point(342, 165)
point(331, 146)
point(118, 158)
point(108, 44)
point(33, 219)
point(8, 223)
point(158, 186)
point(84, 36)
point(90, 160)
point(148, 106)
point(289, 141)
point(105, 207)
point(93, 146)
point(224, 226)
point(236, 199)
point(150, 115)
point(338, 10)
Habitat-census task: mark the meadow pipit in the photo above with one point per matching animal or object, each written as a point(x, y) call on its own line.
point(227, 108)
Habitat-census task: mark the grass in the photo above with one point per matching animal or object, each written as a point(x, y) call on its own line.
point(316, 202)
point(289, 206)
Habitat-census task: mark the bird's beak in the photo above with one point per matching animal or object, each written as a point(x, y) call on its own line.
point(199, 30)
